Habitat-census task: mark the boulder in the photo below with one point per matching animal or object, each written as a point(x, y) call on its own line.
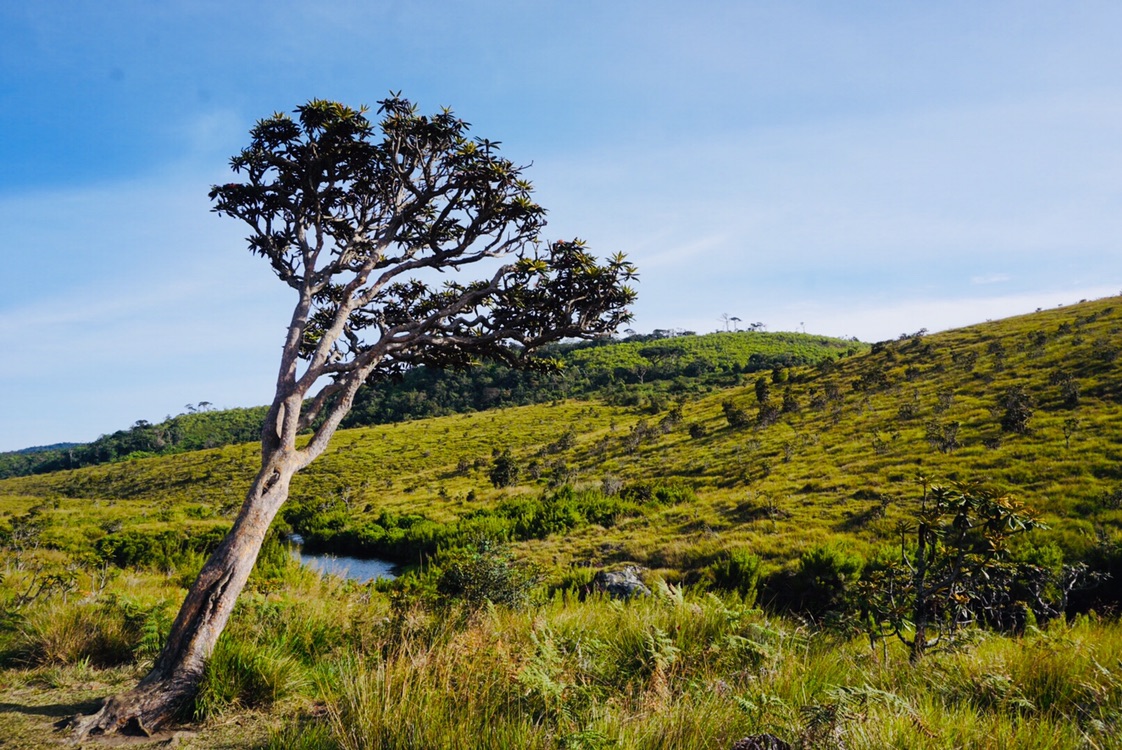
point(620, 584)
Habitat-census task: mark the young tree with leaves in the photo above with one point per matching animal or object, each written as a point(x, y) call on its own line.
point(949, 562)
point(363, 220)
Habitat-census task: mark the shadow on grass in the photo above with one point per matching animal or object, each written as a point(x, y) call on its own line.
point(54, 710)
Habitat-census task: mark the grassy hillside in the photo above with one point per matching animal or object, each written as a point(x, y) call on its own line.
point(683, 481)
point(839, 461)
point(644, 363)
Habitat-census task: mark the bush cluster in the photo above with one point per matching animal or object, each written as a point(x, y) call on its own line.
point(407, 538)
point(165, 549)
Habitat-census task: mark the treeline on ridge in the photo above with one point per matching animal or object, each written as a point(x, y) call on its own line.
point(614, 370)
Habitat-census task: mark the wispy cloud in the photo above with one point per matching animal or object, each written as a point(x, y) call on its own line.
point(656, 255)
point(788, 163)
point(875, 322)
point(993, 278)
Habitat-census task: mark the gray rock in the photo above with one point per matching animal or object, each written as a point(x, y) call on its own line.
point(620, 584)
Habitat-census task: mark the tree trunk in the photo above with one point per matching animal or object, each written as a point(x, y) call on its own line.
point(920, 611)
point(175, 676)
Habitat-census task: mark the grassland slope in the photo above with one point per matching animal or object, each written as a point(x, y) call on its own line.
point(674, 478)
point(589, 370)
point(831, 455)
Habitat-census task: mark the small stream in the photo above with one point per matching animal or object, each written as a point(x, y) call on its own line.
point(355, 568)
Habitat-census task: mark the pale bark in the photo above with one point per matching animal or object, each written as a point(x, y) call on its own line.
point(178, 669)
point(338, 336)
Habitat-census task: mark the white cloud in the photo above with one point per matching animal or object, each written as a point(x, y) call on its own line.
point(993, 278)
point(865, 172)
point(876, 322)
point(132, 300)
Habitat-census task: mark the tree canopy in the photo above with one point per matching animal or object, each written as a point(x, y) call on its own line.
point(366, 222)
point(360, 218)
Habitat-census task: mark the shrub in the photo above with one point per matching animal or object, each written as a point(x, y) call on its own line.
point(504, 470)
point(952, 568)
point(737, 417)
point(610, 485)
point(1017, 408)
point(486, 572)
point(821, 584)
point(768, 414)
point(738, 571)
point(763, 390)
point(943, 436)
point(163, 550)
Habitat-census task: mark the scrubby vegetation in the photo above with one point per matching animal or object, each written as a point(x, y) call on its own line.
point(777, 513)
point(318, 662)
point(587, 370)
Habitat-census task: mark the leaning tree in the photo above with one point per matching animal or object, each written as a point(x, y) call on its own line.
point(369, 224)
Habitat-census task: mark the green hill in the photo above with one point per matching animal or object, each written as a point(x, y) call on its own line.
point(811, 468)
point(589, 370)
point(833, 457)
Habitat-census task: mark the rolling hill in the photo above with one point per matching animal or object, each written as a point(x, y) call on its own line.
point(587, 370)
point(811, 468)
point(834, 455)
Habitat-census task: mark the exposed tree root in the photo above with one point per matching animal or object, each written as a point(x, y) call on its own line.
point(140, 711)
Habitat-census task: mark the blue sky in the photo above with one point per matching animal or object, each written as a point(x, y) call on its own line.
point(855, 169)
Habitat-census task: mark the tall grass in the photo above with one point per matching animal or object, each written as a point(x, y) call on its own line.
point(342, 665)
point(677, 670)
point(684, 671)
point(244, 674)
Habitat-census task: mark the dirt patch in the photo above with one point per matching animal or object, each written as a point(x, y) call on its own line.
point(36, 704)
